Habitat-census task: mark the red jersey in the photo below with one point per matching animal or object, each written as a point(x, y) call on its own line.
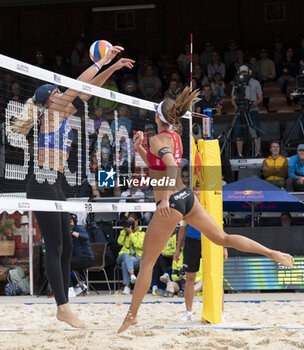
point(156, 163)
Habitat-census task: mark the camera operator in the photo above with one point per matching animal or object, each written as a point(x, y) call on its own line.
point(246, 96)
point(131, 238)
point(83, 256)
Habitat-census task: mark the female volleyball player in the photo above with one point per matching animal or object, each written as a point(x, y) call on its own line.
point(177, 203)
point(55, 138)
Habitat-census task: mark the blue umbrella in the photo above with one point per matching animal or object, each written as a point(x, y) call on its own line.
point(252, 194)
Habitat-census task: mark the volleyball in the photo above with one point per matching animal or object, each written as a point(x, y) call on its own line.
point(99, 50)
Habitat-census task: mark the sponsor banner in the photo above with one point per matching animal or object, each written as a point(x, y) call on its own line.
point(15, 204)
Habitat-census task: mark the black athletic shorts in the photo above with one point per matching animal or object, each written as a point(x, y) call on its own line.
point(192, 254)
point(182, 201)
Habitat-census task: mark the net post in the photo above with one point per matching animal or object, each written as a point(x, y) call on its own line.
point(208, 113)
point(30, 242)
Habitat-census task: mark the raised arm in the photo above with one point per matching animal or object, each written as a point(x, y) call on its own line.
point(159, 147)
point(64, 100)
point(137, 142)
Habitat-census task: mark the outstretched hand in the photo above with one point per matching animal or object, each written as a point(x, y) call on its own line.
point(124, 62)
point(113, 51)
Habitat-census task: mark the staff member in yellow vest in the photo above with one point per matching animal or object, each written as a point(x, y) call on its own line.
point(275, 167)
point(131, 238)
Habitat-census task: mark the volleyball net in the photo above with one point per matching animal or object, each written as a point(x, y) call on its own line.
point(101, 137)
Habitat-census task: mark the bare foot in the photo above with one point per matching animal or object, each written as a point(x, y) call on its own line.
point(65, 314)
point(283, 258)
point(128, 322)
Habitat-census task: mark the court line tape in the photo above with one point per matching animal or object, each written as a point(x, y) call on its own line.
point(169, 302)
point(208, 327)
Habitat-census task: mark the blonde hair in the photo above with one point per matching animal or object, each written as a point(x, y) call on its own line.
point(173, 110)
point(24, 122)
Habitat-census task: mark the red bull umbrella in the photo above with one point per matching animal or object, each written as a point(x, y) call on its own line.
point(254, 194)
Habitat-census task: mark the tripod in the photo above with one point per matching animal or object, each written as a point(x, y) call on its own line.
point(299, 121)
point(244, 115)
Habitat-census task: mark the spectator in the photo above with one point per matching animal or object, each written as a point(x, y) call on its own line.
point(173, 90)
point(134, 192)
point(208, 100)
point(79, 58)
point(267, 67)
point(287, 69)
point(6, 86)
point(16, 93)
point(278, 50)
point(184, 59)
point(97, 117)
point(198, 73)
point(127, 152)
point(82, 256)
point(150, 131)
point(218, 85)
point(143, 117)
point(230, 56)
point(248, 220)
point(286, 219)
point(300, 52)
point(108, 106)
point(131, 89)
point(240, 60)
point(143, 67)
point(163, 262)
point(60, 65)
point(255, 68)
point(123, 120)
point(216, 66)
point(275, 167)
point(295, 181)
point(39, 60)
point(176, 76)
point(131, 239)
point(150, 85)
point(185, 176)
point(206, 56)
point(253, 93)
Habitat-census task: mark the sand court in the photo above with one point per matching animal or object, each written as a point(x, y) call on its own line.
point(253, 321)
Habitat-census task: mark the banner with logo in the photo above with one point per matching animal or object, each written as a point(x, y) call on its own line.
point(212, 254)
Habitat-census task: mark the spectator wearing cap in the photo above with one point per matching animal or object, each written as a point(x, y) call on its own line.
point(254, 94)
point(295, 181)
point(267, 67)
point(275, 167)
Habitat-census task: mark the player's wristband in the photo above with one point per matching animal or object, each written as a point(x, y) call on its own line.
point(97, 66)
